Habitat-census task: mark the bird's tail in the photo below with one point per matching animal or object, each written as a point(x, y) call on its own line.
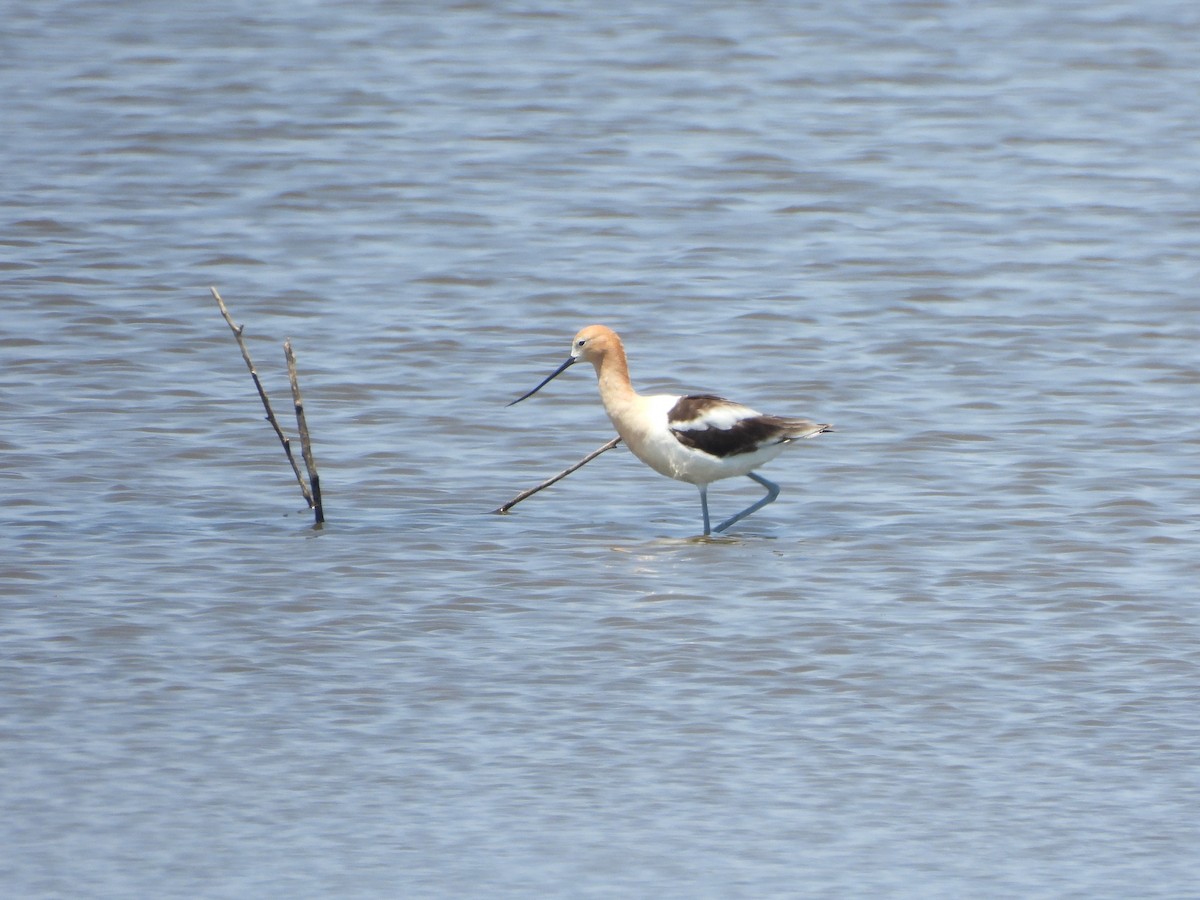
point(804, 428)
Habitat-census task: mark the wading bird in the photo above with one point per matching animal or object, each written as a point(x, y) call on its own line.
point(699, 438)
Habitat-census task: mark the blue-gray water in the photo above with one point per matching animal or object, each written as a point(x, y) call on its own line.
point(958, 657)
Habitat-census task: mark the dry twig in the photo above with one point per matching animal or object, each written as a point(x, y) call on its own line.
point(283, 439)
point(305, 443)
point(561, 475)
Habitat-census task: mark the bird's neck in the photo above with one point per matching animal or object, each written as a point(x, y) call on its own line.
point(612, 371)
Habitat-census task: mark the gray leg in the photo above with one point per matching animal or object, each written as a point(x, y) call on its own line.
point(704, 506)
point(772, 493)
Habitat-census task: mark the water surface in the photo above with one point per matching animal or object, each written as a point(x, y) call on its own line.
point(957, 657)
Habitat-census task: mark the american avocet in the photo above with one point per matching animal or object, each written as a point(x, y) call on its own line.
point(698, 438)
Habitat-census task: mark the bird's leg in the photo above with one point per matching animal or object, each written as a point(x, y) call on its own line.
point(772, 493)
point(704, 506)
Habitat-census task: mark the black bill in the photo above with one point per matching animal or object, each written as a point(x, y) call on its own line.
point(570, 362)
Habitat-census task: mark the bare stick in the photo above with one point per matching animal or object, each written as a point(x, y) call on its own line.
point(561, 475)
point(305, 443)
point(283, 439)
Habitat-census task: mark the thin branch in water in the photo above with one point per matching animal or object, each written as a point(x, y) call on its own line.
point(283, 439)
point(305, 442)
point(502, 510)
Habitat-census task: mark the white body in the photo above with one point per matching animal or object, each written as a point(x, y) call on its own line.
point(641, 421)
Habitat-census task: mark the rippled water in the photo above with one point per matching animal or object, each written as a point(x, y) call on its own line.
point(957, 657)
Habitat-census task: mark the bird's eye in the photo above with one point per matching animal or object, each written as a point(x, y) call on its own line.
point(580, 343)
